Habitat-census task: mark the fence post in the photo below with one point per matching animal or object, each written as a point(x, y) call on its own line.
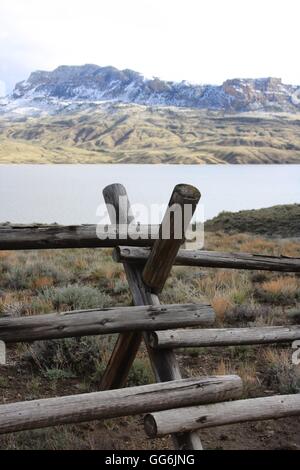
point(127, 344)
point(181, 208)
point(164, 363)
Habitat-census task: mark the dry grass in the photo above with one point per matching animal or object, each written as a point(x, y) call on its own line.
point(247, 371)
point(241, 242)
point(286, 285)
point(281, 290)
point(221, 306)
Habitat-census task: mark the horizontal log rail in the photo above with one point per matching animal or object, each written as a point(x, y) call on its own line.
point(30, 237)
point(103, 321)
point(110, 404)
point(220, 414)
point(223, 336)
point(132, 246)
point(214, 259)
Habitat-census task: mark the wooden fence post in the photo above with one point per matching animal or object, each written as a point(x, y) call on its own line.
point(164, 363)
point(181, 208)
point(127, 344)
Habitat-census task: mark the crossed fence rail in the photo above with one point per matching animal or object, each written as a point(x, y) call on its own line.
point(176, 406)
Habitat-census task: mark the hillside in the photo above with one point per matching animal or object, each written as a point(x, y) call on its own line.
point(126, 133)
point(277, 221)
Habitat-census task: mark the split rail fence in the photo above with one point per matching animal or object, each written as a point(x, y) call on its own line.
point(174, 405)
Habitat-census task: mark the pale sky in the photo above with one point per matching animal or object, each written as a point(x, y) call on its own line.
point(202, 41)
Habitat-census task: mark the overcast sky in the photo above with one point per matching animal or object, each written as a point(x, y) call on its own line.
point(203, 41)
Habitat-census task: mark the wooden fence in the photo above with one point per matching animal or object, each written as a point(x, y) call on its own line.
point(175, 406)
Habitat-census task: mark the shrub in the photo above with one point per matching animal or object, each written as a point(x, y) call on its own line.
point(33, 274)
point(39, 305)
point(75, 297)
point(120, 286)
point(281, 373)
point(58, 374)
point(259, 277)
point(80, 356)
point(239, 296)
point(176, 292)
point(244, 314)
point(13, 309)
point(140, 373)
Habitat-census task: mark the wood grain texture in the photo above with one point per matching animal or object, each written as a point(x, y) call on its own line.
point(224, 336)
point(164, 363)
point(127, 344)
point(220, 414)
point(37, 237)
point(102, 321)
point(103, 405)
point(172, 230)
point(214, 259)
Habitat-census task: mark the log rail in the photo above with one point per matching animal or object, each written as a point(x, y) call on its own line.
point(102, 321)
point(224, 336)
point(176, 406)
point(214, 259)
point(220, 414)
point(114, 403)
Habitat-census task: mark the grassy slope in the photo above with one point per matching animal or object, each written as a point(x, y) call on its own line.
point(282, 221)
point(137, 134)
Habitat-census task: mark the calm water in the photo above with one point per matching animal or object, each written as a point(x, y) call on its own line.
point(70, 194)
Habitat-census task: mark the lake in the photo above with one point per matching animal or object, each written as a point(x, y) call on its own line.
point(70, 194)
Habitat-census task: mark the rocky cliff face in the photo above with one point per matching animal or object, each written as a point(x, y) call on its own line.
point(91, 83)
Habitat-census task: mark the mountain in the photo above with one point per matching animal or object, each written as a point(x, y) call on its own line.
point(69, 87)
point(91, 114)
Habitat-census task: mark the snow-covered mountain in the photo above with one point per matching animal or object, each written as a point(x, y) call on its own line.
point(69, 87)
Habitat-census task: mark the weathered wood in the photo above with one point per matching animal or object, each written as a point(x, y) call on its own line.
point(129, 401)
point(223, 336)
point(214, 259)
point(172, 230)
point(118, 205)
point(30, 237)
point(127, 344)
point(220, 414)
point(165, 366)
point(102, 321)
point(164, 363)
